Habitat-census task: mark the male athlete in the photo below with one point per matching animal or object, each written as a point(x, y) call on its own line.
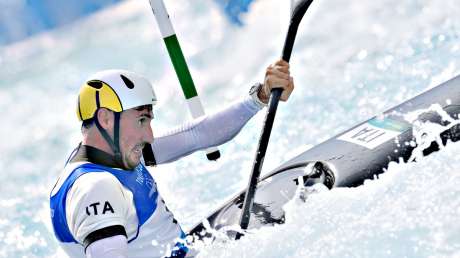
point(106, 204)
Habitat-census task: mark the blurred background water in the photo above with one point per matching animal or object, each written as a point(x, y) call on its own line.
point(352, 60)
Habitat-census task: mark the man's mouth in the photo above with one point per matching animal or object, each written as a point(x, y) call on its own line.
point(138, 148)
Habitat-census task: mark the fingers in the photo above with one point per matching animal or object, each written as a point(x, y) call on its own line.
point(280, 65)
point(278, 72)
point(288, 90)
point(277, 76)
point(283, 63)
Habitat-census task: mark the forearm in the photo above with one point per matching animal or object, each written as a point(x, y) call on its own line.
point(204, 132)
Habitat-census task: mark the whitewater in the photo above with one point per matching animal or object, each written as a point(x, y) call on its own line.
point(352, 60)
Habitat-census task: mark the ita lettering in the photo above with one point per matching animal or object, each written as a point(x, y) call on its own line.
point(368, 134)
point(95, 208)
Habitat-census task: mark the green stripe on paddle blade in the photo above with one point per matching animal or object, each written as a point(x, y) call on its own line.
point(178, 60)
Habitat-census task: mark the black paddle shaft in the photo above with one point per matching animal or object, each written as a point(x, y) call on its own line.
point(296, 17)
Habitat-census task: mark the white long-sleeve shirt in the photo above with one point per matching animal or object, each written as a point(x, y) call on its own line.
point(207, 131)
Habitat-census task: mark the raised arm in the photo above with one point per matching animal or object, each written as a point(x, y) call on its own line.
point(220, 127)
point(211, 130)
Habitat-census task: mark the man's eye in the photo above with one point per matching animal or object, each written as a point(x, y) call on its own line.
point(142, 121)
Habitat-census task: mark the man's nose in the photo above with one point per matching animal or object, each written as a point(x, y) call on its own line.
point(148, 135)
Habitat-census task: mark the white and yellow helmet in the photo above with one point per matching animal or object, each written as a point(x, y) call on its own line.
point(116, 90)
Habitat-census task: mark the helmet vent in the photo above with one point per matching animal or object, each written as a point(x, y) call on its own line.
point(95, 84)
point(127, 81)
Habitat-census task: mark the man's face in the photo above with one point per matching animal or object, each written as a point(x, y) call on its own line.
point(135, 132)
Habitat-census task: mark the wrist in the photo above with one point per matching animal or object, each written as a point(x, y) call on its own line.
point(262, 95)
point(257, 95)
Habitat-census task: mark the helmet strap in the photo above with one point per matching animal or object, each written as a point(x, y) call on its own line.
point(116, 138)
point(115, 143)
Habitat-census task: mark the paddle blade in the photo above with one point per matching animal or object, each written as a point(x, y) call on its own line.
point(300, 8)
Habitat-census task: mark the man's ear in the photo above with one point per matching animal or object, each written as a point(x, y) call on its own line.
point(106, 118)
